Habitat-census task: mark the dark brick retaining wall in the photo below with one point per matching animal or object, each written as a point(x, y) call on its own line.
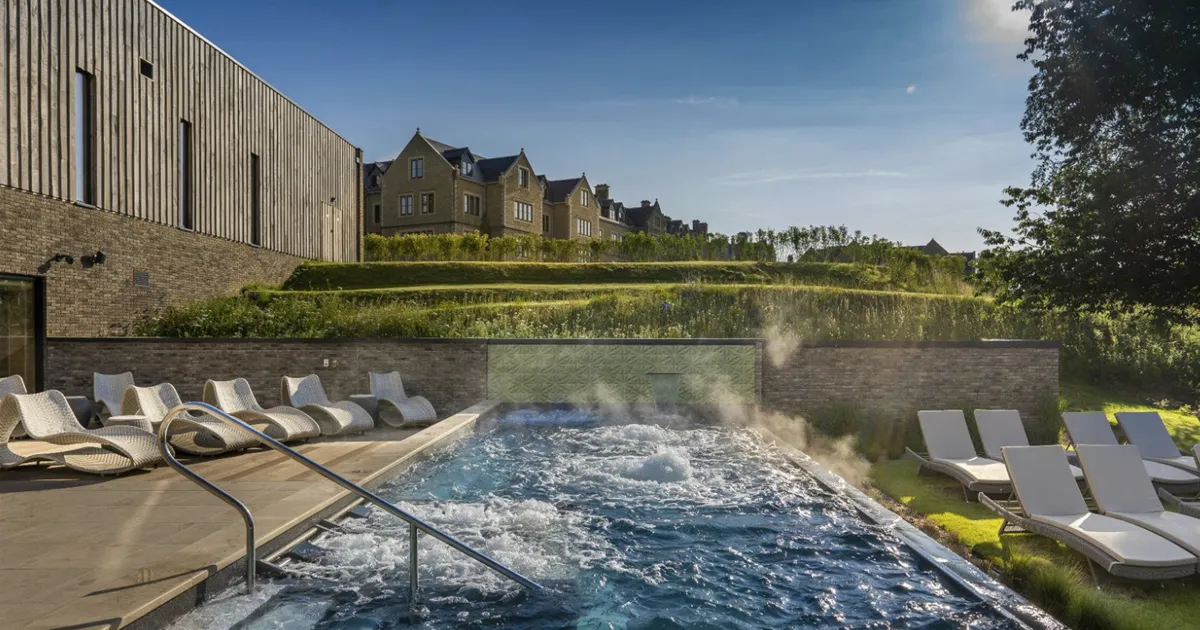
point(900, 377)
point(452, 374)
point(883, 377)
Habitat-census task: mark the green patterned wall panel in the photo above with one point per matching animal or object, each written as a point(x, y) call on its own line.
point(556, 373)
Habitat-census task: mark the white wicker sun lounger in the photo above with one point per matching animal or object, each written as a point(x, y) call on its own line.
point(108, 390)
point(1092, 427)
point(334, 418)
point(237, 399)
point(1054, 507)
point(999, 428)
point(193, 432)
point(1147, 431)
point(396, 408)
point(14, 384)
point(1123, 490)
point(48, 417)
point(951, 452)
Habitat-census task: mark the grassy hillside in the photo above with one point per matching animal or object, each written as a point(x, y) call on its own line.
point(811, 301)
point(380, 275)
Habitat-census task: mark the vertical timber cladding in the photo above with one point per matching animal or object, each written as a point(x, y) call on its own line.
point(150, 72)
point(712, 371)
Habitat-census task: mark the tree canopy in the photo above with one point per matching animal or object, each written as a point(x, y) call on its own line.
point(1111, 218)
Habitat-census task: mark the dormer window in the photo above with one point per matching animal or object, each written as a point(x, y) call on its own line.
point(375, 181)
point(466, 167)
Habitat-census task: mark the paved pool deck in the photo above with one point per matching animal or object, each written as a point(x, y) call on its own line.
point(85, 552)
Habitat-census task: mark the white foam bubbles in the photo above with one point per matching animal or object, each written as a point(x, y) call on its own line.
point(665, 466)
point(531, 537)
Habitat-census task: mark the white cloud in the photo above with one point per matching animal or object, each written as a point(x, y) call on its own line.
point(775, 176)
point(910, 89)
point(719, 101)
point(994, 21)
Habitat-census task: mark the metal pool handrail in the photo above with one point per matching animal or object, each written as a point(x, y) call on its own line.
point(414, 524)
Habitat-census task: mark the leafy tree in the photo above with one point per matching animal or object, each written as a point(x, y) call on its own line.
point(1111, 218)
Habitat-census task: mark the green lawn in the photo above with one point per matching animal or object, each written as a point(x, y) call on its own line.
point(1051, 575)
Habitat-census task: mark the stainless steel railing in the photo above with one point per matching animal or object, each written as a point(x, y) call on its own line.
point(415, 524)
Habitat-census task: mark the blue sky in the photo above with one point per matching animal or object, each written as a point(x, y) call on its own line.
point(895, 117)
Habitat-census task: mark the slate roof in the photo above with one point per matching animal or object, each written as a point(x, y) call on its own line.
point(440, 146)
point(558, 190)
point(492, 168)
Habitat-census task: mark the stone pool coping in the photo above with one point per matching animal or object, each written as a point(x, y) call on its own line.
point(952, 566)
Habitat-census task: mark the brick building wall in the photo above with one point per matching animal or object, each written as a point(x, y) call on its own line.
point(898, 377)
point(103, 300)
point(451, 373)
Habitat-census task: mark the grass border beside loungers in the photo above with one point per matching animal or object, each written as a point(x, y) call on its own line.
point(1046, 572)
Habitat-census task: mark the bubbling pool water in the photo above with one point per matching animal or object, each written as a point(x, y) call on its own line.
point(629, 526)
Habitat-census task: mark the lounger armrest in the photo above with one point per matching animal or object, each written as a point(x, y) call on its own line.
point(368, 402)
point(1169, 498)
point(82, 408)
point(1004, 512)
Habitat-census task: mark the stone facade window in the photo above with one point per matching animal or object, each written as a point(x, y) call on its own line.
point(523, 211)
point(471, 205)
point(523, 177)
point(416, 168)
point(406, 205)
point(585, 227)
point(427, 203)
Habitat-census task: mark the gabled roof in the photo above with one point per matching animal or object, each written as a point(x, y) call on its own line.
point(558, 190)
point(492, 168)
point(440, 146)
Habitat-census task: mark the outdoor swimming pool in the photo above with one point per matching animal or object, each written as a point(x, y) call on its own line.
point(628, 526)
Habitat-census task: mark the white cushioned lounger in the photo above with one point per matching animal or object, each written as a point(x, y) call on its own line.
point(951, 452)
point(334, 418)
point(237, 399)
point(1147, 431)
point(1092, 427)
point(1050, 497)
point(999, 428)
point(1123, 490)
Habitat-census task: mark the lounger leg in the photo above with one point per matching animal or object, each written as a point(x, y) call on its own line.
point(1095, 574)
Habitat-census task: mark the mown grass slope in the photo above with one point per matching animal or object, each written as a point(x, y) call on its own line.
point(380, 275)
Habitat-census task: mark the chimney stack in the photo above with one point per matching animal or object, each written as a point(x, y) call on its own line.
point(602, 192)
point(645, 203)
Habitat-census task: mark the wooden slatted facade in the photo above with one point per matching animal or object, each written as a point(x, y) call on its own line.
point(306, 170)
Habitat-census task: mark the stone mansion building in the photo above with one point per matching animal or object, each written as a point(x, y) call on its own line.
point(435, 188)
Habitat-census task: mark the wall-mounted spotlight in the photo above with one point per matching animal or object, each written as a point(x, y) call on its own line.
point(45, 267)
point(91, 260)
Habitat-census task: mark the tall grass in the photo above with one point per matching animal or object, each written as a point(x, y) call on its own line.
point(1127, 349)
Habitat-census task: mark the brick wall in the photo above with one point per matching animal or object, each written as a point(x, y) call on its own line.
point(103, 300)
point(900, 377)
point(452, 374)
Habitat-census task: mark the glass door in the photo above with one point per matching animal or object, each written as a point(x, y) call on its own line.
point(20, 328)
